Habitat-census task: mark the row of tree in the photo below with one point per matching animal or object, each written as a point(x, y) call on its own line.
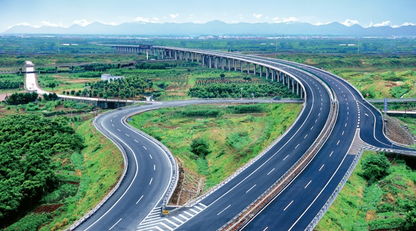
point(128, 87)
point(9, 84)
point(21, 98)
point(240, 90)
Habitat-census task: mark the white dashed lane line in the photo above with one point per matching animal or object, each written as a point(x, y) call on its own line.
point(270, 171)
point(287, 206)
point(115, 224)
point(223, 210)
point(250, 188)
point(308, 184)
point(139, 199)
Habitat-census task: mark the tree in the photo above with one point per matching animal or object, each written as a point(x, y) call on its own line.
point(50, 96)
point(28, 144)
point(21, 98)
point(200, 147)
point(375, 167)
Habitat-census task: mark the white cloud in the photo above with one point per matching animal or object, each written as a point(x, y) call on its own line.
point(404, 24)
point(385, 23)
point(82, 22)
point(258, 16)
point(146, 20)
point(285, 20)
point(173, 16)
point(350, 22)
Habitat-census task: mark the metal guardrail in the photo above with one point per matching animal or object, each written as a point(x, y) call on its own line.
point(248, 213)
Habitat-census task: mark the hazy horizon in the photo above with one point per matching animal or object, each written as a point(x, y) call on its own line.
point(61, 13)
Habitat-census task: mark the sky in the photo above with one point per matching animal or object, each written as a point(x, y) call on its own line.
point(65, 13)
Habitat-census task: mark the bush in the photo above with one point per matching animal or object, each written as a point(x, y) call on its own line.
point(50, 97)
point(7, 84)
point(202, 112)
point(375, 167)
point(200, 147)
point(31, 222)
point(242, 109)
point(21, 98)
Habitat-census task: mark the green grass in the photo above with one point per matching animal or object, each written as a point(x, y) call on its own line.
point(234, 137)
point(381, 205)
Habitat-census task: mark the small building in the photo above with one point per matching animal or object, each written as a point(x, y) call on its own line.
point(108, 77)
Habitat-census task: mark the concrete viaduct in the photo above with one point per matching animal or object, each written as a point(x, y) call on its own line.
point(218, 61)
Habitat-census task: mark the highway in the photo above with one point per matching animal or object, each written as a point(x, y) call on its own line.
point(150, 170)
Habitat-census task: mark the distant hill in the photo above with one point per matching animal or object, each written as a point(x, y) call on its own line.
point(220, 28)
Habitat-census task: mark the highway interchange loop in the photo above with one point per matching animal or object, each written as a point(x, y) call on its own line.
point(151, 172)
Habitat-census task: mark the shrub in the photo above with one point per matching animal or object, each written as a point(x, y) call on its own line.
point(21, 98)
point(375, 167)
point(200, 147)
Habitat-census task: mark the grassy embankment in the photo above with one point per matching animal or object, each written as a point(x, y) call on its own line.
point(92, 175)
point(381, 205)
point(376, 76)
point(235, 134)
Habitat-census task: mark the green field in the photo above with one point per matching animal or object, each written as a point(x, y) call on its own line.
point(382, 205)
point(235, 134)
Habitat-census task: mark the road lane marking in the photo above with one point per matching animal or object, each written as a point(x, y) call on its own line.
point(112, 125)
point(136, 141)
point(144, 147)
point(154, 167)
point(127, 134)
point(366, 114)
point(305, 136)
point(270, 171)
point(139, 199)
point(308, 184)
point(287, 206)
point(321, 167)
point(345, 125)
point(311, 128)
point(297, 146)
point(330, 154)
point(286, 157)
point(150, 155)
point(266, 228)
point(115, 224)
point(223, 210)
point(118, 130)
point(342, 133)
point(151, 181)
point(338, 142)
point(250, 188)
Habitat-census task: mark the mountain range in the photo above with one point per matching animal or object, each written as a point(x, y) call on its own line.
point(219, 28)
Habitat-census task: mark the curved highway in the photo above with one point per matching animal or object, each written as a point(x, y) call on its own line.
point(150, 170)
